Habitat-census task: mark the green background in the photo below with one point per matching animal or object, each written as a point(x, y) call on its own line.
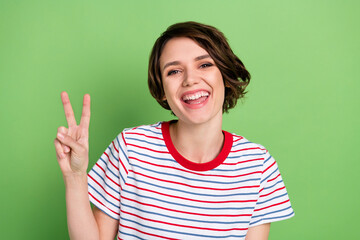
point(303, 101)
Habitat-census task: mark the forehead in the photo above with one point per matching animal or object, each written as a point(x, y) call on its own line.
point(180, 49)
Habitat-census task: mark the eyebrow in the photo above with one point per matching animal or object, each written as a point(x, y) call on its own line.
point(177, 62)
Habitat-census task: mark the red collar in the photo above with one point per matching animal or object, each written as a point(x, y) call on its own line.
point(228, 141)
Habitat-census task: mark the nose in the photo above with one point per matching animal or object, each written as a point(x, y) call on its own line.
point(190, 78)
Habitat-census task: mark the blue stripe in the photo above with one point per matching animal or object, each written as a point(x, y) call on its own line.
point(112, 154)
point(128, 234)
point(213, 170)
point(99, 206)
point(267, 159)
point(116, 176)
point(241, 143)
point(183, 232)
point(105, 181)
point(181, 204)
point(244, 155)
point(140, 140)
point(265, 188)
point(258, 203)
point(127, 159)
point(103, 197)
point(193, 179)
point(148, 130)
point(269, 175)
point(185, 219)
point(272, 218)
point(146, 155)
point(192, 193)
point(238, 169)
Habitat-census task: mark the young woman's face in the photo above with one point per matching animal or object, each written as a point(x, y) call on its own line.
point(193, 84)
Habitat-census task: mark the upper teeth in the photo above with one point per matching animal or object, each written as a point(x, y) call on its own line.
point(196, 95)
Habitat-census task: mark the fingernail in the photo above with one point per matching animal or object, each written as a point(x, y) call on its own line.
point(60, 136)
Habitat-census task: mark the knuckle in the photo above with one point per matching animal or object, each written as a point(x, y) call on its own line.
point(61, 129)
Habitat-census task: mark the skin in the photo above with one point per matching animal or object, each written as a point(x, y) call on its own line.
point(72, 151)
point(191, 135)
point(186, 68)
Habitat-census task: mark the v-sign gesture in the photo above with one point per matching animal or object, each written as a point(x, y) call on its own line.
point(72, 143)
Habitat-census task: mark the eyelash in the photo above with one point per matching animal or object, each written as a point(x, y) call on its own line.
point(205, 65)
point(172, 72)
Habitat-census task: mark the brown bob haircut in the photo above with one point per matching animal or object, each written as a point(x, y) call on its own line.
point(233, 71)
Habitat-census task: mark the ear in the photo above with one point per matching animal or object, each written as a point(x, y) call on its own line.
point(164, 98)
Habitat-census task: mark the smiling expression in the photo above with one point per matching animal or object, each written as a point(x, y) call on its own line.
point(193, 84)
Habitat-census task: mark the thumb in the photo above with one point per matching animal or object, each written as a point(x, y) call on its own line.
point(69, 141)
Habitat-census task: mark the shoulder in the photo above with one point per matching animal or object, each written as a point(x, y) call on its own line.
point(152, 131)
point(242, 144)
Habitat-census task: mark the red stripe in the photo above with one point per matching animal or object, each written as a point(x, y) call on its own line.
point(189, 199)
point(272, 192)
point(137, 127)
point(269, 167)
point(111, 161)
point(238, 139)
point(245, 149)
point(184, 226)
point(122, 135)
point(115, 147)
point(276, 204)
point(255, 159)
point(274, 178)
point(107, 175)
point(195, 173)
point(188, 185)
point(117, 184)
point(147, 148)
point(103, 204)
point(141, 134)
point(123, 166)
point(192, 213)
point(99, 166)
point(150, 234)
point(117, 199)
point(120, 160)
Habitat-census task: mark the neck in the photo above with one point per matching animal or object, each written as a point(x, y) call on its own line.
point(198, 143)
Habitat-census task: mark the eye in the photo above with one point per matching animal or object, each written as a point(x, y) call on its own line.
point(205, 65)
point(172, 72)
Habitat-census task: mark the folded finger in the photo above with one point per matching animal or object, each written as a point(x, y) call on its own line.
point(70, 142)
point(64, 131)
point(59, 149)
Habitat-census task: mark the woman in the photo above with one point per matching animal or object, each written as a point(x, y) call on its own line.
point(183, 179)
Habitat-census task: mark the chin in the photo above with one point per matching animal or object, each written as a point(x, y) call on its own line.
point(199, 118)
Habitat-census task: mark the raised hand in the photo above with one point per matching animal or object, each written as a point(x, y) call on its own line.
point(72, 143)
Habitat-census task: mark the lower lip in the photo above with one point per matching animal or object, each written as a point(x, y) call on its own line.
point(196, 105)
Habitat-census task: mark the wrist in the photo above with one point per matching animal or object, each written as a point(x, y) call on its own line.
point(75, 179)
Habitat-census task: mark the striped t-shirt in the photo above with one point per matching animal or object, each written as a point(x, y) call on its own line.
point(155, 193)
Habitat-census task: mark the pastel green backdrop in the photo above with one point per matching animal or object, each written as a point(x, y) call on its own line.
point(303, 101)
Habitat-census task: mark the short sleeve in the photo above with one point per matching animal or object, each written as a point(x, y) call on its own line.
point(273, 202)
point(107, 177)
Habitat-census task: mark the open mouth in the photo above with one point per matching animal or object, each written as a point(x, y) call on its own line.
point(197, 97)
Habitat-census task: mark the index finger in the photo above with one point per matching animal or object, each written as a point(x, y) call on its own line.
point(69, 113)
point(85, 116)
